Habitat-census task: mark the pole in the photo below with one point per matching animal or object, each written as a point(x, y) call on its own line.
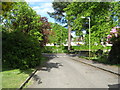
point(89, 35)
point(89, 38)
point(69, 36)
point(61, 41)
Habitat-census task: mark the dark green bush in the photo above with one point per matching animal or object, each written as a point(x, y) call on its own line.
point(114, 54)
point(20, 50)
point(99, 52)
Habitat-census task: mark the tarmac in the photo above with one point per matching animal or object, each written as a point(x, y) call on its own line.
point(110, 68)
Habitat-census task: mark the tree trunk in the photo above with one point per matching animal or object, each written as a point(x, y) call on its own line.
point(114, 54)
point(69, 36)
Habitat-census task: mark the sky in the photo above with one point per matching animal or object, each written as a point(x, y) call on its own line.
point(42, 7)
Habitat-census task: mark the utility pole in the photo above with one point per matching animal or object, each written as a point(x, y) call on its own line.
point(89, 38)
point(89, 35)
point(69, 36)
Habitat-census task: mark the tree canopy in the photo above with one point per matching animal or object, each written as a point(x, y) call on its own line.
point(59, 13)
point(102, 15)
point(59, 34)
point(24, 32)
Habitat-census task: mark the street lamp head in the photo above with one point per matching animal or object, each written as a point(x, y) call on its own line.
point(83, 17)
point(88, 17)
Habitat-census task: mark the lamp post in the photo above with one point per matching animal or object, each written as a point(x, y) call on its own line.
point(89, 35)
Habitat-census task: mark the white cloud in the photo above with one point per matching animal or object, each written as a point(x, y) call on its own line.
point(38, 0)
point(36, 7)
point(43, 8)
point(46, 5)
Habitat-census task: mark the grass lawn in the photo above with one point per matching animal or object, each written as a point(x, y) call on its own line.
point(14, 78)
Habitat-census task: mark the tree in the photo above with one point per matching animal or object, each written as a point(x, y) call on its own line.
point(59, 34)
point(45, 29)
point(24, 19)
point(114, 38)
point(6, 6)
point(22, 30)
point(59, 15)
point(104, 16)
point(100, 14)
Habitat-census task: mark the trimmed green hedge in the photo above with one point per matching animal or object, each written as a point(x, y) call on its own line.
point(93, 47)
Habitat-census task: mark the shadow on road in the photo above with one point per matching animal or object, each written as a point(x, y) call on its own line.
point(46, 66)
point(114, 87)
point(50, 65)
point(37, 79)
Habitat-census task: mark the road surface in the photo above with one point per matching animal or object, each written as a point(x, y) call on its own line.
point(63, 72)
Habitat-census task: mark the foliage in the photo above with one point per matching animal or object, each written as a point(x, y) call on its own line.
point(114, 35)
point(21, 35)
point(59, 13)
point(20, 50)
point(24, 19)
point(45, 29)
point(13, 78)
point(114, 54)
point(59, 35)
point(6, 6)
point(101, 15)
point(93, 48)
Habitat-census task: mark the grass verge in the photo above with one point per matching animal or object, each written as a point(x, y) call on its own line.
point(102, 60)
point(15, 77)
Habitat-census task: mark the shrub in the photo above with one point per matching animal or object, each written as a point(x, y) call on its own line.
point(20, 50)
point(114, 38)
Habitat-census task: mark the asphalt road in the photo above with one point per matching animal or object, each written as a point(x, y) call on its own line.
point(63, 72)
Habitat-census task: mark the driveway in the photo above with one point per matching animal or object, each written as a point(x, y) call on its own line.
point(63, 72)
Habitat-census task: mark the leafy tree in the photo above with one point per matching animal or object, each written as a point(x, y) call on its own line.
point(59, 13)
point(22, 31)
point(45, 29)
point(104, 16)
point(114, 38)
point(6, 6)
point(100, 14)
point(24, 19)
point(59, 34)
